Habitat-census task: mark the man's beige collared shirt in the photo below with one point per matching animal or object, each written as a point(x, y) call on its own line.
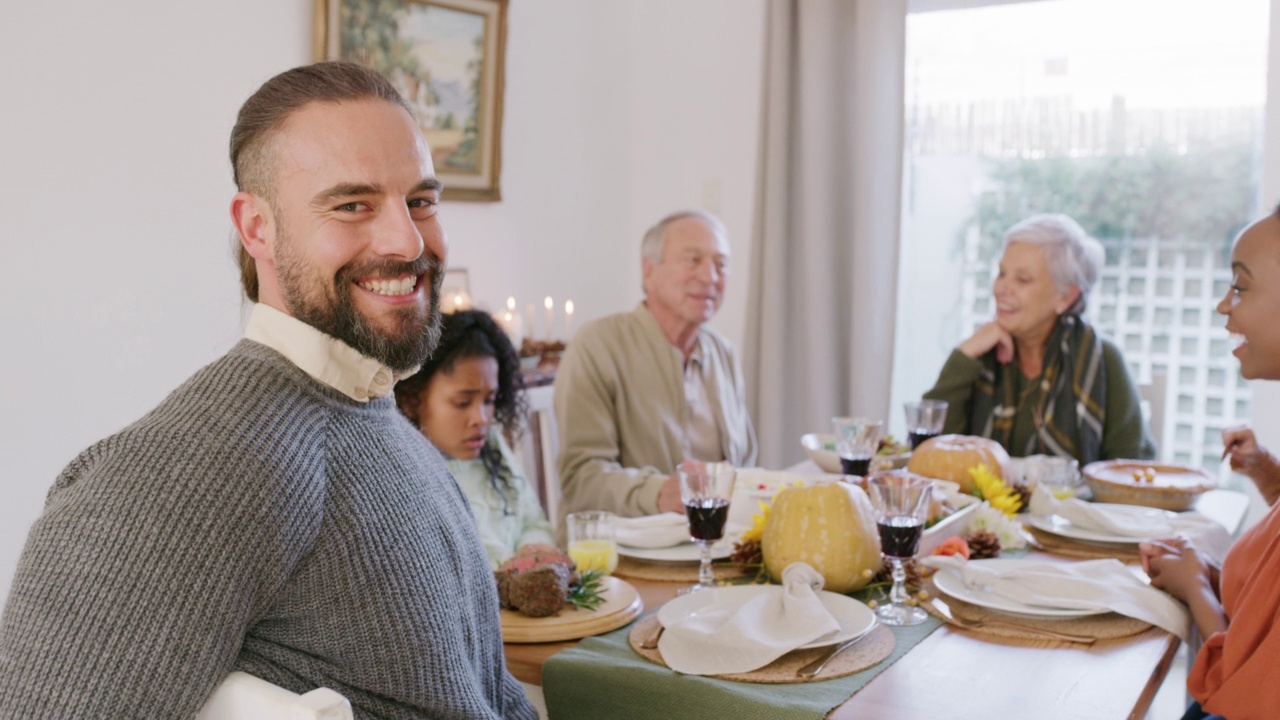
point(325, 358)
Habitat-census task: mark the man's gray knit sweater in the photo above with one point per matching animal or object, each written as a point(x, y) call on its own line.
point(256, 520)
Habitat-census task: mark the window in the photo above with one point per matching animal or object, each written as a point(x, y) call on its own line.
point(1143, 120)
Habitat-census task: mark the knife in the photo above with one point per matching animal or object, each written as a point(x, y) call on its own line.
point(815, 667)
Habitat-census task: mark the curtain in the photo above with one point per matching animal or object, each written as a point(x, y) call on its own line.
point(824, 254)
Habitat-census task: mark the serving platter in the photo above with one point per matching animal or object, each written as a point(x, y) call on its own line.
point(855, 618)
point(622, 604)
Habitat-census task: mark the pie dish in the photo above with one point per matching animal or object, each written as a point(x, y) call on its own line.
point(1138, 482)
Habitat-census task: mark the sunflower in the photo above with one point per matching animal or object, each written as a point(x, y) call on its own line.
point(994, 491)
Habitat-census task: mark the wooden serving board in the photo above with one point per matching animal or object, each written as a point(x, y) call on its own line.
point(622, 604)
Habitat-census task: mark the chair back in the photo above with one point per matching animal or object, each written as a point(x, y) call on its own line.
point(539, 449)
point(1153, 396)
point(242, 696)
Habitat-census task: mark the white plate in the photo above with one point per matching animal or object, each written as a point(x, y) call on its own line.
point(688, 552)
point(1058, 525)
point(955, 587)
point(855, 618)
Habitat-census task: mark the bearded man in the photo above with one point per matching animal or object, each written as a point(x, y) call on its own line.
point(276, 514)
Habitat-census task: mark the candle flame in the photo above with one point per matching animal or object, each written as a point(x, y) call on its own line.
point(548, 304)
point(511, 304)
point(568, 307)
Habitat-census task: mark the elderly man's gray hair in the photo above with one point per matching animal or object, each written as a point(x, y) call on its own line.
point(655, 238)
point(1074, 258)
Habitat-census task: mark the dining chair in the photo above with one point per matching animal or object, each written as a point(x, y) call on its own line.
point(242, 696)
point(1153, 396)
point(539, 448)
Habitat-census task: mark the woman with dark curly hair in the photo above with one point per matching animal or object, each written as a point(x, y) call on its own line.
point(462, 399)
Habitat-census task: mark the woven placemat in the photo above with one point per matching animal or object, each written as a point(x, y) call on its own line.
point(675, 572)
point(1107, 626)
point(872, 649)
point(1058, 545)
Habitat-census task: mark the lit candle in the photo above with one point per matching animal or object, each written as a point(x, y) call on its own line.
point(549, 304)
point(510, 322)
point(511, 305)
point(461, 301)
point(568, 319)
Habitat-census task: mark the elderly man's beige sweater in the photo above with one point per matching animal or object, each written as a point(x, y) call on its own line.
point(621, 408)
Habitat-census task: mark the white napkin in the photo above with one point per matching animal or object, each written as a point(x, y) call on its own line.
point(1135, 521)
point(730, 638)
point(653, 531)
point(1089, 585)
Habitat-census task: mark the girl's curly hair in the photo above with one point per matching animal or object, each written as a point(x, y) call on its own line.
point(475, 334)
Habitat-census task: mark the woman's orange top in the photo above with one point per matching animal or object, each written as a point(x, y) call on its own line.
point(1237, 673)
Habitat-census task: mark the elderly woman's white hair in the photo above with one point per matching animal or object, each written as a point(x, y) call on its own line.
point(656, 237)
point(1074, 258)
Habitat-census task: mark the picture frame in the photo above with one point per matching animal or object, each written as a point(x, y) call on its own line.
point(447, 58)
point(455, 290)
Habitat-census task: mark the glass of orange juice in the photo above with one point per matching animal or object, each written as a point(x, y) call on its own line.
point(593, 541)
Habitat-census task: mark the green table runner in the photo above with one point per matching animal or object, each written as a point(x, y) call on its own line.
point(603, 678)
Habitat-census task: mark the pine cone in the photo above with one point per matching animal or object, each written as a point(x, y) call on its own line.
point(983, 544)
point(748, 552)
point(915, 574)
point(1023, 491)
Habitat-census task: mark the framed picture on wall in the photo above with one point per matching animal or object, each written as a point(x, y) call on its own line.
point(446, 58)
point(455, 290)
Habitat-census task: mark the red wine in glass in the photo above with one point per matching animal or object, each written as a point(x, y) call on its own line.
point(900, 535)
point(707, 518)
point(919, 435)
point(855, 465)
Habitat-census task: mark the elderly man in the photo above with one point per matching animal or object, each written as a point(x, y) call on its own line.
point(640, 392)
point(276, 514)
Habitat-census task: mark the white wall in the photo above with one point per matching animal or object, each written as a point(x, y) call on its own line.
point(114, 185)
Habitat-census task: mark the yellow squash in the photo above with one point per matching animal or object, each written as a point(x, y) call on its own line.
point(832, 527)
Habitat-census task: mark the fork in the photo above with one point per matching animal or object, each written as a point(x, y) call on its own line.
point(651, 642)
point(943, 611)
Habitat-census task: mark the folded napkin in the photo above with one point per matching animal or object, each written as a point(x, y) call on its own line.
point(1136, 521)
point(1105, 585)
point(731, 637)
point(653, 531)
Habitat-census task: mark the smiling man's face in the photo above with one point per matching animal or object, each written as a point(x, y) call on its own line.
point(358, 250)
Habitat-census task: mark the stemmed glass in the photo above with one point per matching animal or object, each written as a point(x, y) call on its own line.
point(925, 419)
point(857, 440)
point(901, 501)
point(705, 489)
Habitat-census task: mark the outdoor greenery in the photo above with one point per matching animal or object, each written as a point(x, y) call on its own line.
point(1206, 195)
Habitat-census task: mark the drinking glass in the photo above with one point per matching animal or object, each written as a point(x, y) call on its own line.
point(1058, 475)
point(924, 420)
point(901, 501)
point(857, 440)
point(593, 543)
point(705, 489)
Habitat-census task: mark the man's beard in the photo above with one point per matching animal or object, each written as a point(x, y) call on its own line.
point(333, 311)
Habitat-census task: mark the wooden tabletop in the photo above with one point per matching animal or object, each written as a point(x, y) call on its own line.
point(959, 675)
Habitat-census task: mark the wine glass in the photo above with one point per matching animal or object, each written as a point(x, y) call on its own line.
point(924, 420)
point(901, 501)
point(705, 489)
point(857, 440)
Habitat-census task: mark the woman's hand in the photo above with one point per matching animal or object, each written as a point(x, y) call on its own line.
point(986, 337)
point(1176, 567)
point(1252, 460)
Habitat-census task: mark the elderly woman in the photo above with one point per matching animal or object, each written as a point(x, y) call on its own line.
point(1039, 378)
point(1234, 675)
point(466, 393)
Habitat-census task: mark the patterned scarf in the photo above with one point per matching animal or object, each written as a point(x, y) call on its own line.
point(1073, 396)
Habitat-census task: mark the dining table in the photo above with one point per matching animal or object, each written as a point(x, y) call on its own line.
point(960, 674)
